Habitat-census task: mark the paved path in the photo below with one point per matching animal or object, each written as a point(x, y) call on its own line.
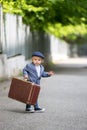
point(64, 96)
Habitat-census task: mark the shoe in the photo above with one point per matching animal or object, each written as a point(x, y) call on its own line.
point(39, 109)
point(30, 110)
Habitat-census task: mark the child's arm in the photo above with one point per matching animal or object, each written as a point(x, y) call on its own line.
point(25, 73)
point(47, 74)
point(50, 73)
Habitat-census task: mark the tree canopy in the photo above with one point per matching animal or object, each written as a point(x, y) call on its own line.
point(48, 15)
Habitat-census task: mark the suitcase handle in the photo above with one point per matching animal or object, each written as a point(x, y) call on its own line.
point(31, 82)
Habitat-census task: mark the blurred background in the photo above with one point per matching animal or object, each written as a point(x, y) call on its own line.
point(57, 28)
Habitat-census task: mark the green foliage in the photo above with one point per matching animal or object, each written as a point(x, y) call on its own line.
point(44, 11)
point(63, 18)
point(34, 12)
point(63, 31)
point(69, 32)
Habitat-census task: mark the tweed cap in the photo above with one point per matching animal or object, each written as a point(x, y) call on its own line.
point(39, 54)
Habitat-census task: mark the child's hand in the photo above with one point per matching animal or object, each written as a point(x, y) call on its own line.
point(25, 77)
point(51, 73)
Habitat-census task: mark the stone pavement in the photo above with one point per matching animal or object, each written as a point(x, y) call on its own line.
point(64, 96)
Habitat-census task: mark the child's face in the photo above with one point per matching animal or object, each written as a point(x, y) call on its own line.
point(37, 60)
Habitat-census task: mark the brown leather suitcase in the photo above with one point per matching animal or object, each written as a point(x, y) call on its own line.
point(24, 91)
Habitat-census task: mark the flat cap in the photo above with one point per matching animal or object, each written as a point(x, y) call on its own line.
point(39, 54)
